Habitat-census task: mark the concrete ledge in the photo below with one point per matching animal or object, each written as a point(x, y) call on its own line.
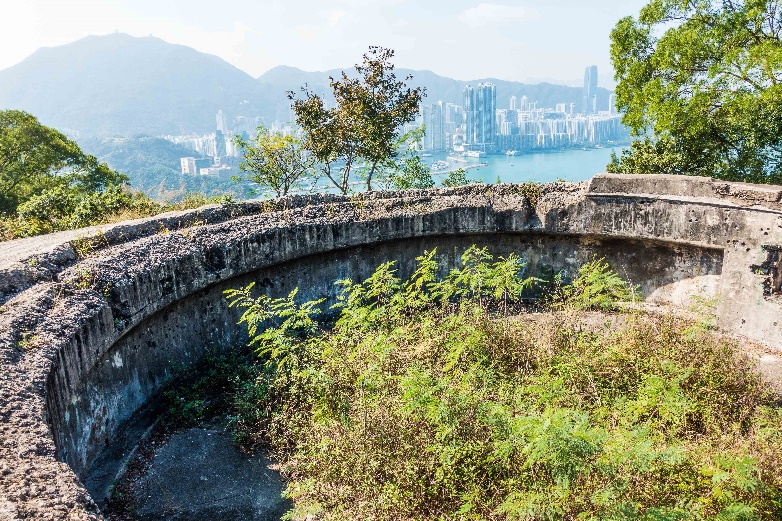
point(687, 186)
point(691, 186)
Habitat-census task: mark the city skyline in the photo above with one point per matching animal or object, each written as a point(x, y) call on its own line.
point(482, 126)
point(478, 127)
point(257, 36)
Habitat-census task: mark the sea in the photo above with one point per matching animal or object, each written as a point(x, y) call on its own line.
point(542, 167)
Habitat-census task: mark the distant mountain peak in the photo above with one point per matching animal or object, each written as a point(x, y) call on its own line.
point(123, 85)
point(118, 84)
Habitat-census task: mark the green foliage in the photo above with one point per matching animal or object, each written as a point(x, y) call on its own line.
point(408, 171)
point(285, 325)
point(412, 174)
point(363, 126)
point(456, 177)
point(650, 156)
point(48, 184)
point(209, 388)
point(706, 79)
point(35, 158)
point(598, 287)
point(274, 161)
point(425, 402)
point(59, 209)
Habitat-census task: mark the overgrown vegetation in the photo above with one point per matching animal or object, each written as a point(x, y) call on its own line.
point(208, 389)
point(48, 184)
point(58, 210)
point(432, 398)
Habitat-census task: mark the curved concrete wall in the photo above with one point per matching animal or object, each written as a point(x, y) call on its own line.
point(87, 340)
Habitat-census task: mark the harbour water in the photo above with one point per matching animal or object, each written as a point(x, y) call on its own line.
point(543, 167)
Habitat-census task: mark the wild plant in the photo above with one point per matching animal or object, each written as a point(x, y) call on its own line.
point(430, 400)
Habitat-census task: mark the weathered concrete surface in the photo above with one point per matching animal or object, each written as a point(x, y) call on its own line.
point(85, 340)
point(198, 475)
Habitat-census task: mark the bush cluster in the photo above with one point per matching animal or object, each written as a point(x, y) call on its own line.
point(61, 209)
point(433, 398)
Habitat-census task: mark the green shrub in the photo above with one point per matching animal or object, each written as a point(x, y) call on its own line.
point(455, 178)
point(428, 401)
point(598, 287)
point(59, 209)
point(208, 389)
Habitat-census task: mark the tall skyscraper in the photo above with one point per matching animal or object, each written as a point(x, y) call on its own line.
point(590, 89)
point(513, 103)
point(612, 103)
point(434, 121)
point(486, 104)
point(469, 115)
point(480, 114)
point(220, 148)
point(220, 122)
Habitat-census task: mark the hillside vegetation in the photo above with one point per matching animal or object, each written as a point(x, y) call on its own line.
point(153, 167)
point(432, 398)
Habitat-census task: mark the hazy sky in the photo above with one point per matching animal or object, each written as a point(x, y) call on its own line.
point(463, 39)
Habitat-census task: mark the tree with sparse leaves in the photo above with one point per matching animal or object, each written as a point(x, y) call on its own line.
point(274, 161)
point(360, 133)
point(456, 177)
point(700, 81)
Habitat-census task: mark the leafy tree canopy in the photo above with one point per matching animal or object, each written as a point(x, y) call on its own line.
point(404, 169)
point(701, 80)
point(274, 161)
point(35, 158)
point(362, 129)
point(456, 177)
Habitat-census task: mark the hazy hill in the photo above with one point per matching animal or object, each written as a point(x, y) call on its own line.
point(120, 85)
point(132, 155)
point(154, 168)
point(123, 85)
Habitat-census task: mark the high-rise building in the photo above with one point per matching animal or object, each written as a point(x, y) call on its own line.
point(513, 103)
point(454, 118)
point(469, 115)
point(434, 122)
point(188, 165)
point(507, 122)
point(220, 122)
point(590, 89)
point(612, 103)
point(486, 124)
point(524, 104)
point(220, 148)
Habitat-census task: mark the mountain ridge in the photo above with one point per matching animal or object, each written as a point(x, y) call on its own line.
point(121, 85)
point(439, 88)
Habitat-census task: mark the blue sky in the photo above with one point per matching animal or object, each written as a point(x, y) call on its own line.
point(463, 39)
